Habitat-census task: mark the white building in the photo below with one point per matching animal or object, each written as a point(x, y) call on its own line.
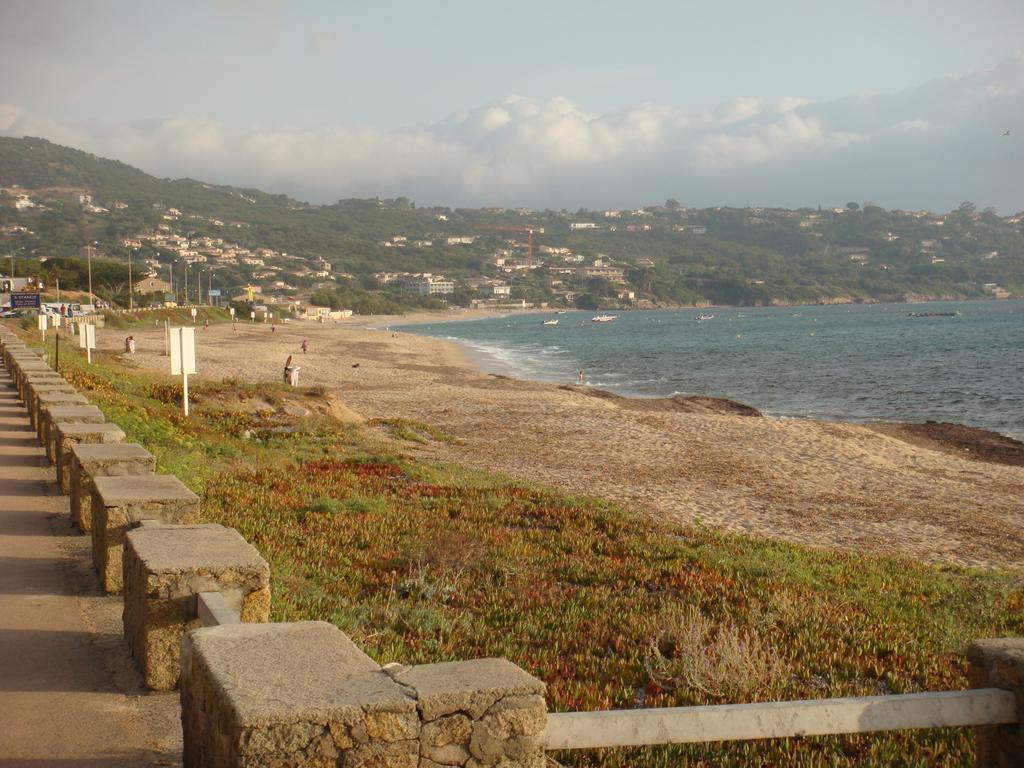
point(427, 285)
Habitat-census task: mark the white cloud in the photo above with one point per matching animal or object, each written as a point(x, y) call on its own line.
point(739, 109)
point(553, 152)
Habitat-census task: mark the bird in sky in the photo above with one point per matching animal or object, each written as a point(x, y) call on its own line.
point(1006, 133)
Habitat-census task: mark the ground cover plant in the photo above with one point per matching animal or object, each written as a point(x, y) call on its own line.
point(421, 562)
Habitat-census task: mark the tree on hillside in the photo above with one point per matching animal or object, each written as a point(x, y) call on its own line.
point(852, 206)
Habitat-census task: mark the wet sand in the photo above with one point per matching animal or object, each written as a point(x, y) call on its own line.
point(835, 485)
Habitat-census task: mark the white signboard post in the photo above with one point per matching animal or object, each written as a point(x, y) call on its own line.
point(44, 323)
point(252, 316)
point(183, 358)
point(87, 339)
point(232, 311)
point(193, 314)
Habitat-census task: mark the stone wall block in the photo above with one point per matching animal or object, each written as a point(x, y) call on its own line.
point(102, 460)
point(486, 712)
point(120, 503)
point(296, 694)
point(46, 400)
point(69, 434)
point(165, 568)
point(67, 413)
point(999, 663)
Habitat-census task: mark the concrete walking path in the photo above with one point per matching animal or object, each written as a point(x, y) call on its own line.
point(69, 692)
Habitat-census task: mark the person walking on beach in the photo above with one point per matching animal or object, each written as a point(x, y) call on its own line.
point(206, 325)
point(305, 346)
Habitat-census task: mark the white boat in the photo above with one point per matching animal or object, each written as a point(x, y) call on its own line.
point(551, 322)
point(603, 318)
point(561, 311)
point(704, 316)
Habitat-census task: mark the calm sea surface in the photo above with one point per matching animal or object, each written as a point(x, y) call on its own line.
point(842, 363)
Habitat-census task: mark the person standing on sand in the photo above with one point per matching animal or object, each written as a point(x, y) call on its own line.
point(273, 329)
point(206, 325)
point(579, 377)
point(305, 346)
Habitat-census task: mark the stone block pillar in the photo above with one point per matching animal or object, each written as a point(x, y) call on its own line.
point(121, 503)
point(298, 694)
point(165, 567)
point(303, 695)
point(46, 400)
point(29, 382)
point(68, 434)
point(65, 414)
point(101, 460)
point(484, 712)
point(999, 663)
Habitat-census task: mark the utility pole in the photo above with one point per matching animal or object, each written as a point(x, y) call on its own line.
point(131, 287)
point(184, 282)
point(88, 253)
point(199, 286)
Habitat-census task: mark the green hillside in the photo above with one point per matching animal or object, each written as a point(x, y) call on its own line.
point(661, 255)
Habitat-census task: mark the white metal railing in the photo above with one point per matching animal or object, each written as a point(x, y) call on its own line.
point(214, 610)
point(779, 719)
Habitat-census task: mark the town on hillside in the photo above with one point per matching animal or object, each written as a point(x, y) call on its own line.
point(188, 241)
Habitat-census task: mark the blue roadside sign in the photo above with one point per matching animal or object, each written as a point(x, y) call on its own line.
point(20, 300)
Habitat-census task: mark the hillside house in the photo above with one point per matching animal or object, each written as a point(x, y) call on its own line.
point(152, 284)
point(428, 285)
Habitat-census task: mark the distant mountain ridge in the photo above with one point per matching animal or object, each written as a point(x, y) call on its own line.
point(37, 163)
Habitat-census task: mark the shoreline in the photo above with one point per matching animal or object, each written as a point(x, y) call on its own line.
point(478, 357)
point(693, 461)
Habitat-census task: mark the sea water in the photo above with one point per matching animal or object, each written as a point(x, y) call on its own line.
point(841, 363)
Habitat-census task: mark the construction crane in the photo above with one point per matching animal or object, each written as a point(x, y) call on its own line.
point(529, 237)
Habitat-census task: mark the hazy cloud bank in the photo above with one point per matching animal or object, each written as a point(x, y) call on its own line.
point(931, 146)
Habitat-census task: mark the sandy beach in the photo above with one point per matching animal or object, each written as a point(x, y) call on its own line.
point(825, 484)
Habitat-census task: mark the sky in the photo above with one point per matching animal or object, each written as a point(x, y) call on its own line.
point(555, 104)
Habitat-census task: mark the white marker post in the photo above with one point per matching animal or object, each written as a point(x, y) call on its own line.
point(193, 315)
point(87, 339)
point(232, 311)
point(252, 316)
point(183, 358)
point(44, 323)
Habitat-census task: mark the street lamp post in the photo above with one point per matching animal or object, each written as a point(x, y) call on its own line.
point(184, 282)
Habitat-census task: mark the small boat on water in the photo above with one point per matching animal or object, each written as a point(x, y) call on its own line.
point(561, 311)
point(704, 316)
point(603, 318)
point(550, 322)
point(933, 314)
